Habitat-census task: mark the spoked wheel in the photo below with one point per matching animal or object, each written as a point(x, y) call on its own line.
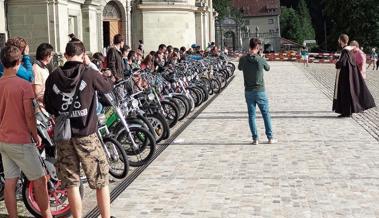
point(183, 105)
point(58, 198)
point(171, 111)
point(216, 86)
point(204, 92)
point(117, 159)
point(195, 96)
point(232, 67)
point(144, 148)
point(207, 85)
point(160, 126)
point(223, 81)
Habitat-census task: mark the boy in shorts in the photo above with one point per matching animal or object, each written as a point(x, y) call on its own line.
point(17, 130)
point(84, 148)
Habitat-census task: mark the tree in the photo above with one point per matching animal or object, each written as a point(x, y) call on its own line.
point(308, 31)
point(290, 25)
point(357, 18)
point(222, 7)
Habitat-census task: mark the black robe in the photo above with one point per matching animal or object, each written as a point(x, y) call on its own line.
point(351, 94)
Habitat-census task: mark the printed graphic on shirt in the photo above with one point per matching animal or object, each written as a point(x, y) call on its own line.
point(67, 100)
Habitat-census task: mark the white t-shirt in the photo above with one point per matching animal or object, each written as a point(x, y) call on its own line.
point(40, 77)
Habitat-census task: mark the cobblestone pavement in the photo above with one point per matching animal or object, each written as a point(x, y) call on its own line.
point(323, 76)
point(322, 166)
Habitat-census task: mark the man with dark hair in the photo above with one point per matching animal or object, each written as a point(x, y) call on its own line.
point(162, 48)
point(351, 94)
point(252, 66)
point(44, 56)
point(160, 58)
point(17, 129)
point(183, 53)
point(141, 47)
point(25, 70)
point(114, 57)
point(84, 148)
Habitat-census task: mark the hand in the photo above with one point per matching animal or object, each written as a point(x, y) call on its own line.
point(26, 50)
point(38, 141)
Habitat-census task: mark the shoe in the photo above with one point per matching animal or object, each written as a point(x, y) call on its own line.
point(255, 142)
point(272, 141)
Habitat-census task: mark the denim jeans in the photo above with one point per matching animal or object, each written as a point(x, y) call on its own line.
point(254, 98)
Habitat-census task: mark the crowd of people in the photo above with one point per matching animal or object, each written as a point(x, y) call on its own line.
point(69, 89)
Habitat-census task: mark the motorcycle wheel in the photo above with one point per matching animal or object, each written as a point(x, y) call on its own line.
point(58, 199)
point(118, 160)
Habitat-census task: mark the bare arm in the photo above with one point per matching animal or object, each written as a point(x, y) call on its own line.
point(31, 119)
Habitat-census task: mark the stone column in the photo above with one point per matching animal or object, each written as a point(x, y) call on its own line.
point(206, 30)
point(211, 20)
point(61, 25)
point(99, 15)
point(128, 23)
point(90, 27)
point(199, 17)
point(3, 27)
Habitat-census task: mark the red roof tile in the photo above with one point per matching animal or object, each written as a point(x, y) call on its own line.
point(255, 8)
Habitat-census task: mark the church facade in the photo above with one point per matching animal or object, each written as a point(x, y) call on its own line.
point(175, 22)
point(260, 19)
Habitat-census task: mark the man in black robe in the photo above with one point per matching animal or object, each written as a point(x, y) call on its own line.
point(351, 94)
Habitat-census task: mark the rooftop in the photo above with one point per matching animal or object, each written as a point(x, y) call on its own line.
point(257, 8)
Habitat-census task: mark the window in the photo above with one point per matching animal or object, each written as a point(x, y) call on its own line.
point(271, 21)
point(73, 24)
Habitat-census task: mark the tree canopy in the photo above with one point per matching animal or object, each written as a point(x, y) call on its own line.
point(222, 7)
point(296, 24)
point(290, 25)
point(357, 18)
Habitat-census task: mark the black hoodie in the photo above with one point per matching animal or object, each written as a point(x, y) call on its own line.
point(60, 87)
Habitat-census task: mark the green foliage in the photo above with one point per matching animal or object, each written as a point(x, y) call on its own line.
point(222, 7)
point(236, 15)
point(296, 24)
point(290, 25)
point(357, 18)
point(305, 20)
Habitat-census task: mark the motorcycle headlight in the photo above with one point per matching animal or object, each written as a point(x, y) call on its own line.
point(135, 103)
point(102, 119)
point(150, 96)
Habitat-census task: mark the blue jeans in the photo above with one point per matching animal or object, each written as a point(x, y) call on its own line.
point(254, 98)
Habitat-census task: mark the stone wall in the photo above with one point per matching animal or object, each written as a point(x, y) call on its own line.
point(180, 23)
point(153, 21)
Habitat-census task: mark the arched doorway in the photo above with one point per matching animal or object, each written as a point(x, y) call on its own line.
point(112, 22)
point(230, 40)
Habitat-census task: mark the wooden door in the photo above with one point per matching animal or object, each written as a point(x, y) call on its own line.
point(115, 27)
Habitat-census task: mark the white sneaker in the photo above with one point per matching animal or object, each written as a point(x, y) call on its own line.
point(255, 142)
point(272, 141)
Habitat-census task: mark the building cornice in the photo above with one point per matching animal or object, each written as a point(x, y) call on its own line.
point(40, 2)
point(166, 7)
point(37, 2)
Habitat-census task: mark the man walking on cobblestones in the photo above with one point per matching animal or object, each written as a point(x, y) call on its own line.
point(252, 66)
point(351, 94)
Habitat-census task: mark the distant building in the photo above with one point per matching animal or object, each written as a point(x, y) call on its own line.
point(176, 22)
point(260, 18)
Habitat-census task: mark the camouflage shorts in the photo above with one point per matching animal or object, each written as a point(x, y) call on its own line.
point(88, 152)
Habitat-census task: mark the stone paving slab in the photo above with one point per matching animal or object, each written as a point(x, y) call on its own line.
point(321, 167)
